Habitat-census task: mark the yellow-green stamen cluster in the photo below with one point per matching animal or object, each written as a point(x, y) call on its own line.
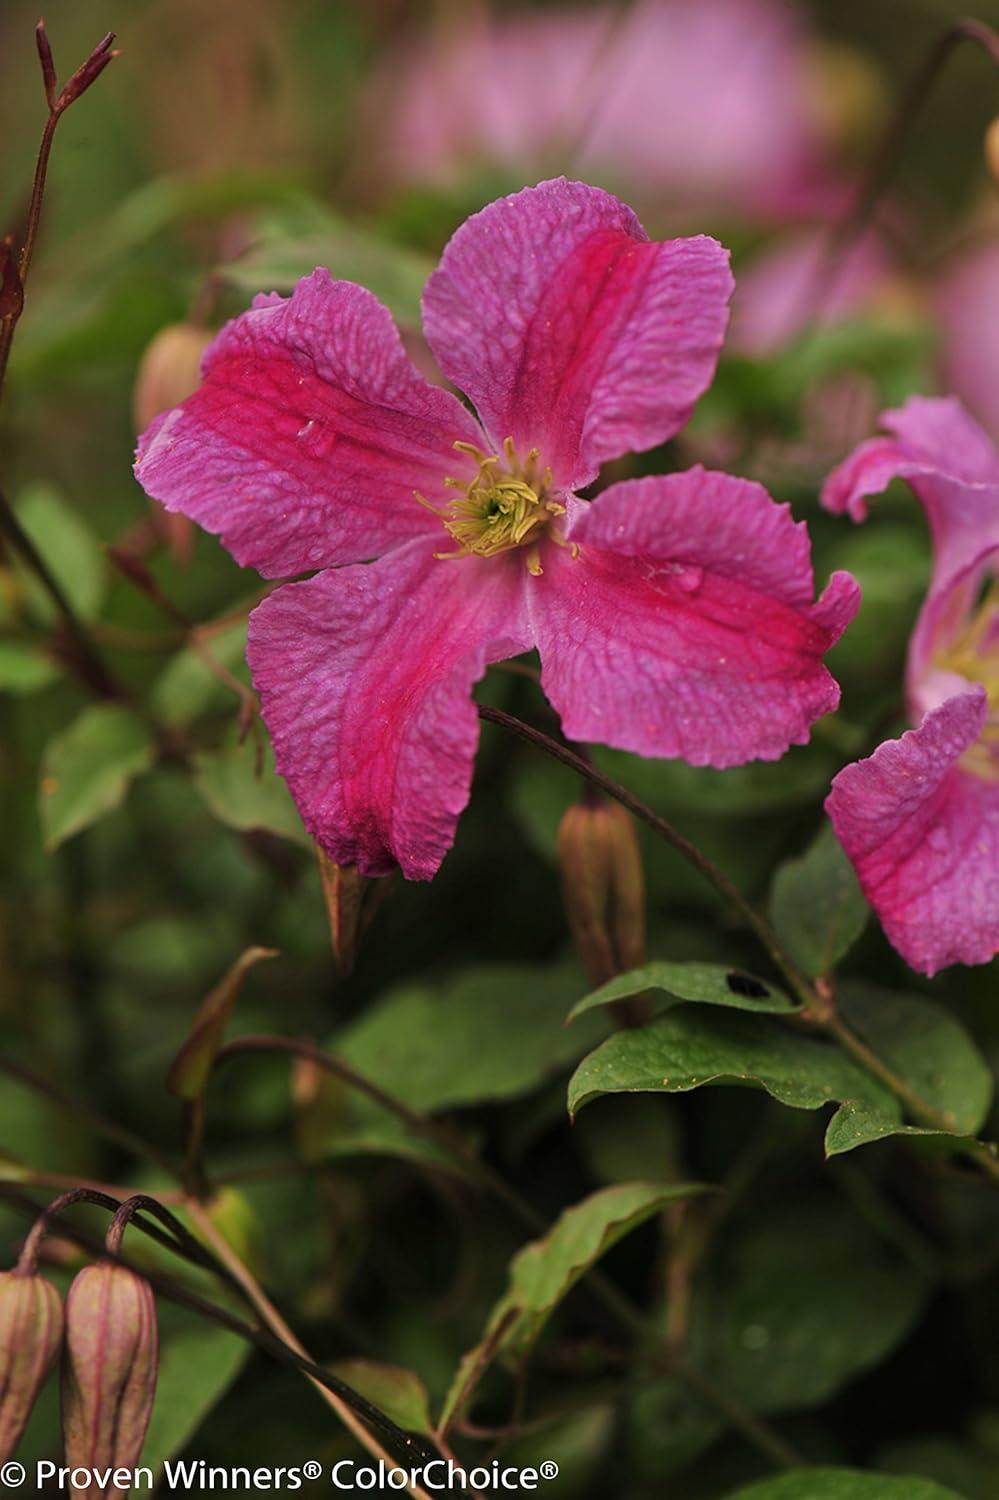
point(974, 654)
point(507, 504)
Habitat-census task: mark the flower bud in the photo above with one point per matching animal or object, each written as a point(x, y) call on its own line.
point(603, 887)
point(108, 1373)
point(30, 1336)
point(169, 372)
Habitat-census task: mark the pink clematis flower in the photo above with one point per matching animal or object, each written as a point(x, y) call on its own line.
point(920, 818)
point(674, 616)
point(965, 299)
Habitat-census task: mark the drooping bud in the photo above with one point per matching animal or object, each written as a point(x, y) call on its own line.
point(169, 372)
point(603, 887)
point(110, 1360)
point(30, 1335)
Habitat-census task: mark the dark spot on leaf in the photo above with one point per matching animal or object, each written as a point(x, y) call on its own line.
point(745, 984)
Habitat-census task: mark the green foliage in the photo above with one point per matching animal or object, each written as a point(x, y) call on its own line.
point(817, 906)
point(197, 1365)
point(243, 790)
point(709, 984)
point(398, 1393)
point(545, 1271)
point(687, 1048)
point(843, 1484)
point(71, 551)
point(87, 769)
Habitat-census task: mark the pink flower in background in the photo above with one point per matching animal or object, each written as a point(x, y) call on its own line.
point(674, 616)
point(707, 101)
point(920, 818)
point(967, 299)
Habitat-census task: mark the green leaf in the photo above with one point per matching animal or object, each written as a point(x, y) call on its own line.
point(843, 1484)
point(931, 1051)
point(817, 905)
point(708, 984)
point(690, 1047)
point(187, 687)
point(399, 1393)
point(87, 769)
point(544, 1271)
point(197, 1366)
point(283, 254)
point(800, 1301)
point(246, 795)
point(24, 669)
point(492, 1033)
point(69, 547)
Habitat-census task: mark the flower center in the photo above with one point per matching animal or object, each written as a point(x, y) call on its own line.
point(508, 503)
point(974, 654)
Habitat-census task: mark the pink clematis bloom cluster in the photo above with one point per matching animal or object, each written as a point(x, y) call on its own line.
point(674, 616)
point(709, 102)
point(920, 817)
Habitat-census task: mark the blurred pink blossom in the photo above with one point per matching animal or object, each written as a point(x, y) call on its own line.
point(708, 101)
point(967, 302)
point(920, 817)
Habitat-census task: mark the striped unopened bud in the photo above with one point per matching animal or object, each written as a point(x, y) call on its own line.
point(30, 1336)
point(603, 887)
point(109, 1373)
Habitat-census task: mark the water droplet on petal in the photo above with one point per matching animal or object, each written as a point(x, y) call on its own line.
point(687, 577)
point(316, 437)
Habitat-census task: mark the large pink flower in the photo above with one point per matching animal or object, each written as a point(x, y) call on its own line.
point(673, 615)
point(920, 818)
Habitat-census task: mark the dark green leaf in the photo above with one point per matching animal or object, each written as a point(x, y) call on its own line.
point(86, 770)
point(25, 669)
point(247, 795)
point(70, 549)
point(930, 1050)
point(710, 984)
point(492, 1033)
point(545, 1271)
point(689, 1047)
point(197, 1366)
point(399, 1393)
point(800, 1301)
point(842, 1484)
point(817, 905)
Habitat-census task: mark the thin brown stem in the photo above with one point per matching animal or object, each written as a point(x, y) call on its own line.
point(889, 152)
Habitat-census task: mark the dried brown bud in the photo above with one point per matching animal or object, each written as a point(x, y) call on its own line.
point(30, 1336)
point(109, 1369)
point(603, 887)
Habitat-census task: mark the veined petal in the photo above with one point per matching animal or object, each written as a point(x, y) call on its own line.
point(953, 468)
point(572, 332)
point(950, 464)
point(309, 434)
point(685, 625)
point(923, 835)
point(364, 675)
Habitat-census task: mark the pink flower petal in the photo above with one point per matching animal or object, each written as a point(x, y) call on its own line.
point(364, 675)
point(570, 330)
point(952, 467)
point(681, 629)
point(310, 432)
point(923, 835)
